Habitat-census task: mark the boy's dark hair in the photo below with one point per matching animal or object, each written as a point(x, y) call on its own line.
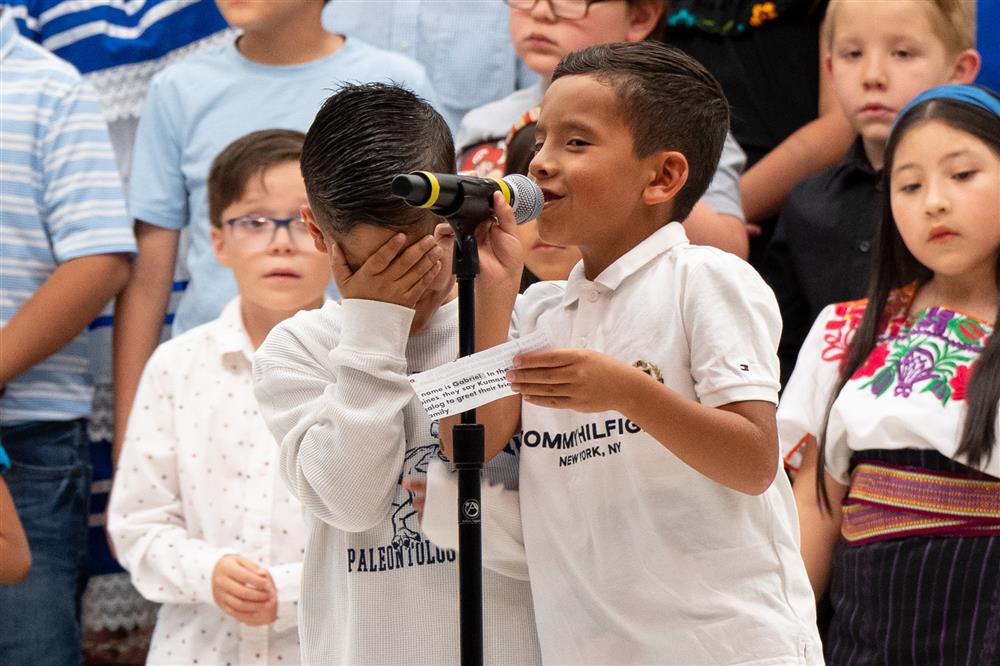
point(520, 150)
point(363, 136)
point(894, 266)
point(668, 100)
point(244, 158)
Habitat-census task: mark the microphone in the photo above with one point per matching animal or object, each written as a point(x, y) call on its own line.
point(449, 195)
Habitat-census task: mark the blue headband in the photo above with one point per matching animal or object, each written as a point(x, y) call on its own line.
point(969, 94)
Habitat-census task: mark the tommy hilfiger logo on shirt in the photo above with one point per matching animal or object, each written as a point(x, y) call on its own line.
point(578, 436)
point(586, 434)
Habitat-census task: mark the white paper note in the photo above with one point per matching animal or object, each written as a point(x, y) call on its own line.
point(474, 380)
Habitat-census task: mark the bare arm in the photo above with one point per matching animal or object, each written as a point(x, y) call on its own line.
point(814, 146)
point(15, 557)
point(706, 227)
point(67, 301)
point(139, 316)
point(743, 455)
point(819, 530)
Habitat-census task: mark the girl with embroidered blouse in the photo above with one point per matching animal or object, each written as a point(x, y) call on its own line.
point(891, 416)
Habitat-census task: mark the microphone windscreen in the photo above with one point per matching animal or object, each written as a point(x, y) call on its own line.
point(411, 187)
point(527, 197)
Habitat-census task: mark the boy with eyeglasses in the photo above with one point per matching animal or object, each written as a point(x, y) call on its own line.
point(198, 514)
point(543, 31)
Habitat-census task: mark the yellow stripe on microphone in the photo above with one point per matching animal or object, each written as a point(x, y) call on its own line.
point(435, 189)
point(504, 189)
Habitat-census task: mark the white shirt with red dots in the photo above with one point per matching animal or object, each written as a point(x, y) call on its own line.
point(197, 480)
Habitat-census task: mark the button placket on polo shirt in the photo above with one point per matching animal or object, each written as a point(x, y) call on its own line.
point(588, 314)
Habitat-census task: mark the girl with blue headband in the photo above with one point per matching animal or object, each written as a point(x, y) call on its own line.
point(900, 515)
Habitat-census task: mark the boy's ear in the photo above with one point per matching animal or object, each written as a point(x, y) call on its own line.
point(319, 242)
point(219, 245)
point(966, 67)
point(643, 17)
point(670, 175)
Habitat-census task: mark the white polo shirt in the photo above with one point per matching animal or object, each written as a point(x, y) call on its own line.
point(633, 556)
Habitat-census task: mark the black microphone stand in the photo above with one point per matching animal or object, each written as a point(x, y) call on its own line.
point(468, 437)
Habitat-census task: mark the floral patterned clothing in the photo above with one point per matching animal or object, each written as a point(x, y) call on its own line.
point(909, 393)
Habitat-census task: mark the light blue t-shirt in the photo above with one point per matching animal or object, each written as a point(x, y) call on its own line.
point(61, 199)
point(464, 44)
point(200, 105)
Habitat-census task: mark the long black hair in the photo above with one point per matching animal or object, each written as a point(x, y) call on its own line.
point(894, 266)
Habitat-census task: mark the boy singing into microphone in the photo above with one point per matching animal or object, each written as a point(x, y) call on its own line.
point(657, 525)
point(332, 387)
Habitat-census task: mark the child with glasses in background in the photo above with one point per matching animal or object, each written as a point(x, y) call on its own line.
point(198, 514)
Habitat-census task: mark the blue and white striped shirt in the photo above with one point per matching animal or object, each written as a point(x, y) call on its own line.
point(60, 199)
point(102, 34)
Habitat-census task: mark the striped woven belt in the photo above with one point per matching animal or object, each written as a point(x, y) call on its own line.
point(887, 502)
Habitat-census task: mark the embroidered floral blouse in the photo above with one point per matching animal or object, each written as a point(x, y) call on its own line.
point(909, 393)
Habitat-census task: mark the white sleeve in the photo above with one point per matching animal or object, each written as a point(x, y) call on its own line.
point(803, 405)
point(503, 541)
point(145, 513)
point(733, 325)
point(288, 582)
point(536, 300)
point(338, 414)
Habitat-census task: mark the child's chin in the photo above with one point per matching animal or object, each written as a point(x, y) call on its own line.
point(287, 300)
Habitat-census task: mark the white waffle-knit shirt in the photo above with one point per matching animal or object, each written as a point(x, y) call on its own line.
point(332, 386)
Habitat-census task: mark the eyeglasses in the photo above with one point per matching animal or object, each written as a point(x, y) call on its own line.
point(571, 10)
point(259, 231)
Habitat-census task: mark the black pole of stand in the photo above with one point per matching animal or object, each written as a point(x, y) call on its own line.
point(469, 450)
point(471, 205)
